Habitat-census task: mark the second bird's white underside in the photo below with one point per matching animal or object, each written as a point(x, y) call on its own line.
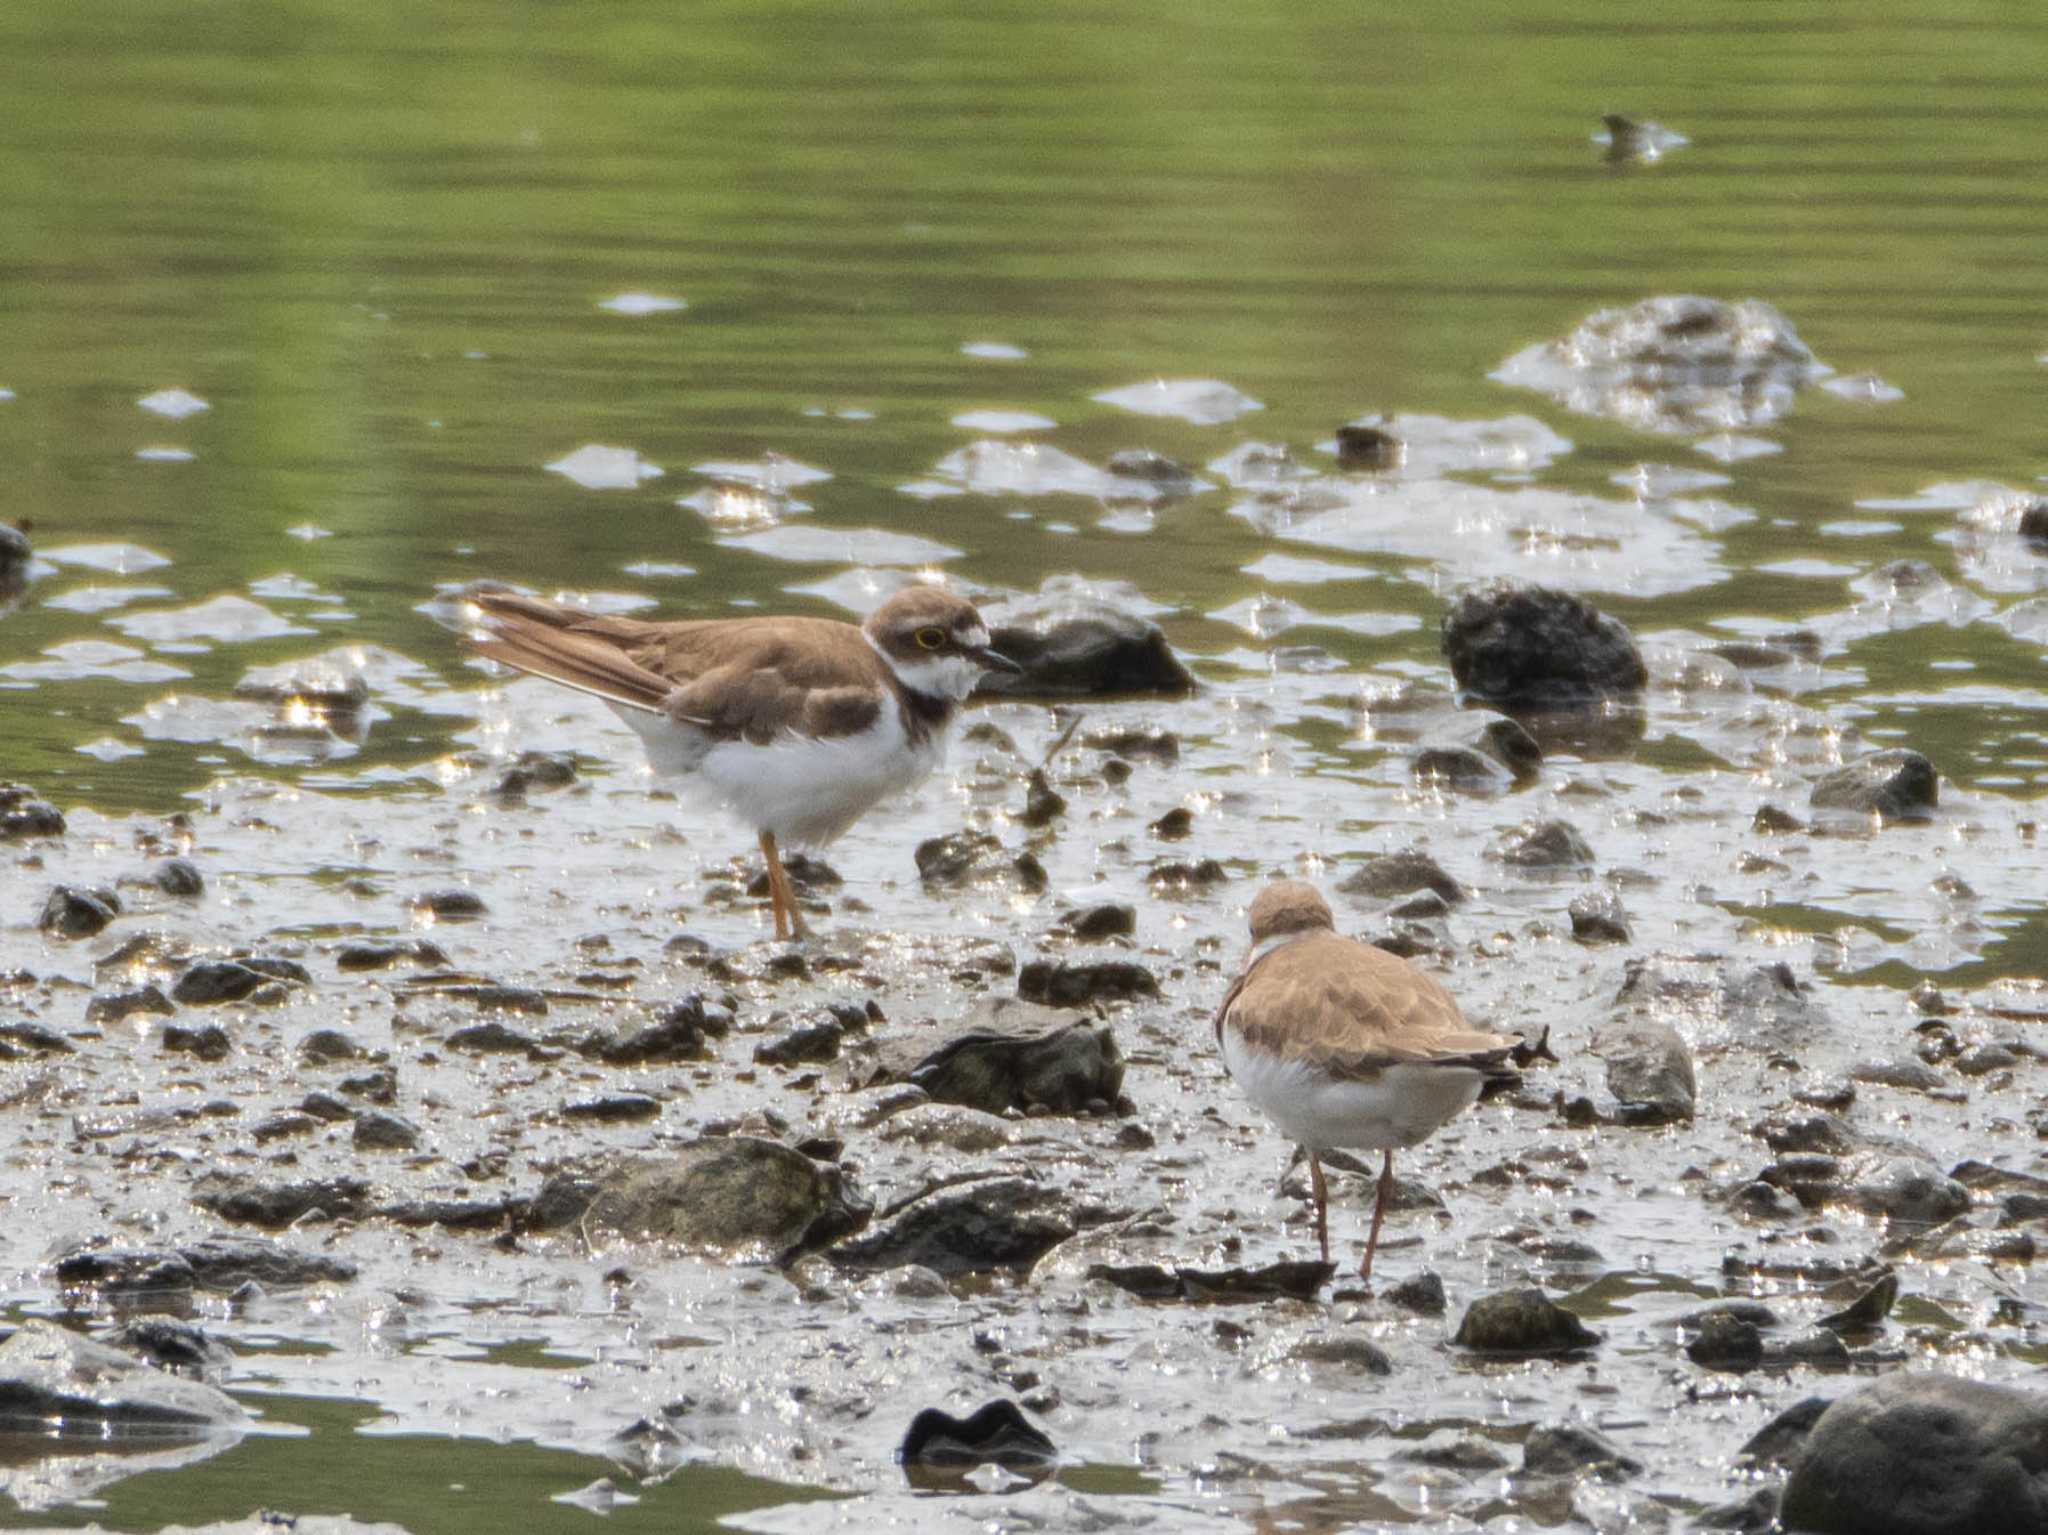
point(806, 790)
point(1402, 1106)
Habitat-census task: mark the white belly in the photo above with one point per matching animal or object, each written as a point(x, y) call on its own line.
point(806, 790)
point(1403, 1106)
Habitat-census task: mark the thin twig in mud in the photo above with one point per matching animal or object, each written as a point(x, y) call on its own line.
point(1060, 741)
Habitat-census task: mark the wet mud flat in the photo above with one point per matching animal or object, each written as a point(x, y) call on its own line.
point(471, 1087)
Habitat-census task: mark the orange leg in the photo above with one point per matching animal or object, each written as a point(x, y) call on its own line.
point(1322, 1192)
point(789, 922)
point(1379, 1213)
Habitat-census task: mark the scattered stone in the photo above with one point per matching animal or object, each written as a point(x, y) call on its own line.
point(1520, 648)
point(1288, 1280)
point(177, 1347)
point(1421, 1293)
point(1779, 1440)
point(1649, 1070)
point(378, 1086)
point(1726, 1342)
point(1895, 785)
point(1361, 445)
point(324, 1045)
point(18, 1039)
point(1358, 1355)
point(1904, 1187)
point(736, 1194)
point(492, 1038)
point(812, 1043)
point(974, 857)
point(250, 1201)
point(1868, 1310)
point(997, 1433)
point(1772, 821)
point(1567, 1449)
point(51, 1375)
point(1084, 650)
point(1060, 983)
point(1908, 1076)
point(1385, 876)
point(614, 1109)
point(1174, 825)
point(69, 912)
point(1095, 924)
point(377, 1130)
point(1598, 917)
point(1006, 1055)
point(679, 1033)
point(113, 1006)
point(277, 1127)
point(218, 1263)
point(1542, 845)
point(1718, 1002)
point(325, 1107)
point(1177, 880)
point(1479, 754)
point(986, 1224)
point(213, 981)
point(1134, 743)
point(207, 1041)
point(1524, 1321)
point(382, 956)
point(22, 815)
point(1922, 1453)
point(179, 877)
point(536, 770)
point(454, 905)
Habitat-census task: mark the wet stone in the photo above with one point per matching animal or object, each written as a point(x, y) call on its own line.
point(23, 816)
point(377, 1130)
point(179, 877)
point(1174, 825)
point(251, 1201)
point(113, 1006)
point(1134, 743)
point(325, 1106)
point(324, 1045)
point(214, 981)
point(1479, 753)
point(1043, 804)
point(997, 1433)
point(1904, 1188)
point(1895, 785)
point(1867, 1308)
point(1385, 876)
point(1567, 1449)
point(127, 1273)
point(1524, 1321)
point(1725, 1001)
point(1529, 647)
point(2034, 521)
point(614, 1109)
point(535, 770)
point(1289, 1280)
point(1364, 446)
point(1908, 1076)
point(382, 956)
point(679, 1033)
point(1598, 917)
point(69, 912)
point(1006, 1055)
point(453, 905)
point(1176, 879)
point(1059, 983)
point(1779, 1440)
point(50, 1375)
point(378, 1086)
point(1923, 1453)
point(813, 1044)
point(19, 1039)
point(1421, 1293)
point(1359, 1356)
point(1791, 1133)
point(974, 857)
point(1094, 924)
point(1084, 650)
point(491, 1038)
point(1772, 821)
point(1726, 1342)
point(277, 1127)
point(177, 1347)
point(208, 1041)
point(1542, 845)
point(1649, 1070)
point(993, 1223)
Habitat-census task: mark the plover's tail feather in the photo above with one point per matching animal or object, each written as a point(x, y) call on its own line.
point(549, 641)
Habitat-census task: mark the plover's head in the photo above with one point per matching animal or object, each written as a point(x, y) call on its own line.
point(1287, 907)
point(934, 641)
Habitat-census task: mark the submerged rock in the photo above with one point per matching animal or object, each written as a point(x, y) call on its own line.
point(997, 1432)
point(1598, 917)
point(1542, 845)
point(1521, 648)
point(1920, 1453)
point(1385, 876)
point(54, 1380)
point(1897, 785)
point(1286, 1280)
point(1570, 1449)
point(1009, 1054)
point(1649, 1070)
point(1524, 1321)
point(1478, 755)
point(991, 1223)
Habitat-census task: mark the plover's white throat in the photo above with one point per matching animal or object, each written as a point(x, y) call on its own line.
point(796, 725)
point(1343, 1044)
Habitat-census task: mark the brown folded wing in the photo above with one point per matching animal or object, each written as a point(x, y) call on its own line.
point(1352, 1009)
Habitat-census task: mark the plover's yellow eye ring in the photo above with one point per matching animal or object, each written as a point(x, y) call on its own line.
point(931, 639)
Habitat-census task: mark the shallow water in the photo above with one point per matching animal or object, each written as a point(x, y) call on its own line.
point(930, 268)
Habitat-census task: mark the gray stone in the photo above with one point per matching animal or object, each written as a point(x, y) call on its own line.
point(378, 1130)
point(1542, 845)
point(1063, 983)
point(1649, 1069)
point(235, 1197)
point(992, 1223)
point(1524, 1321)
point(1568, 1449)
point(1008, 1054)
point(1896, 785)
point(1386, 876)
point(1715, 1001)
point(453, 905)
point(1598, 917)
point(69, 912)
point(52, 1376)
point(1529, 647)
point(179, 877)
point(1904, 1187)
point(22, 815)
point(1919, 1453)
point(1084, 649)
point(218, 980)
point(113, 1006)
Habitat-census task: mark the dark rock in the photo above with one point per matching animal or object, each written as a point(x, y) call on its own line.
point(113, 1006)
point(207, 1041)
point(1359, 1355)
point(225, 1263)
point(178, 1347)
point(997, 1432)
point(325, 1107)
point(1287, 1280)
point(1522, 1321)
point(1772, 821)
point(379, 1086)
point(1907, 1076)
point(1084, 650)
point(1649, 1070)
point(1461, 1452)
point(614, 1109)
point(1675, 363)
point(2034, 521)
point(965, 857)
point(1421, 1293)
point(1867, 1310)
point(1174, 825)
point(1043, 804)
point(1364, 446)
point(1135, 742)
point(453, 905)
point(213, 981)
point(1383, 876)
point(811, 1043)
point(736, 1194)
point(15, 551)
point(277, 1127)
point(1060, 983)
point(678, 1034)
point(1756, 1514)
point(1722, 1002)
point(527, 1001)
point(1009, 1055)
point(1779, 1440)
point(329, 1045)
point(69, 912)
point(34, 1039)
point(236, 1197)
point(382, 956)
point(179, 877)
point(54, 1380)
point(1566, 1449)
point(1919, 1453)
point(1893, 785)
point(1178, 879)
point(1153, 468)
point(456, 1214)
point(1093, 924)
point(1726, 1342)
point(130, 1274)
point(1480, 754)
point(1542, 845)
point(377, 1130)
point(1598, 917)
point(492, 1038)
point(1904, 1187)
point(22, 815)
point(1793, 1133)
point(991, 1223)
point(1519, 648)
point(536, 770)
